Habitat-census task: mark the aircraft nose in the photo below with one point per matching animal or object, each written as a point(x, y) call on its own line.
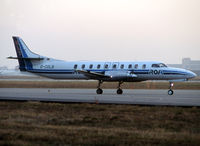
point(191, 74)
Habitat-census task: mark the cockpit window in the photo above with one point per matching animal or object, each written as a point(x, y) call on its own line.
point(155, 65)
point(163, 65)
point(159, 65)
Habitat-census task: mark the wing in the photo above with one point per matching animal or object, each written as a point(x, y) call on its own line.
point(109, 75)
point(94, 75)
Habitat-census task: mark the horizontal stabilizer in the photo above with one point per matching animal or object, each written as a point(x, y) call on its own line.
point(39, 58)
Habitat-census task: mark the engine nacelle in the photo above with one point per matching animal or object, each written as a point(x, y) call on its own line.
point(120, 74)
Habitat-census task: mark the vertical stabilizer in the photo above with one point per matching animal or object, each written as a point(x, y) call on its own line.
point(24, 55)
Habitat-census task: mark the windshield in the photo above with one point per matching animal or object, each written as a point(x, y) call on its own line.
point(159, 65)
point(162, 65)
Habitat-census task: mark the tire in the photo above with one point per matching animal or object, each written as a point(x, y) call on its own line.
point(170, 92)
point(99, 91)
point(119, 91)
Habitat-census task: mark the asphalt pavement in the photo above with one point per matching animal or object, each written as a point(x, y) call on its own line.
point(136, 97)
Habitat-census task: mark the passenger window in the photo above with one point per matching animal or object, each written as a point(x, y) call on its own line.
point(98, 66)
point(130, 66)
point(144, 66)
point(136, 66)
point(75, 66)
point(83, 66)
point(114, 66)
point(106, 66)
point(122, 66)
point(91, 66)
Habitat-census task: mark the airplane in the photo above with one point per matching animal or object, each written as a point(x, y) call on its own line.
point(102, 71)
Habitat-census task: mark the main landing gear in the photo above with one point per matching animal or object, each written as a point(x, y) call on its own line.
point(170, 91)
point(100, 91)
point(119, 90)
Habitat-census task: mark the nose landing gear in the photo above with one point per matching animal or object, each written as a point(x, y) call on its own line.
point(170, 91)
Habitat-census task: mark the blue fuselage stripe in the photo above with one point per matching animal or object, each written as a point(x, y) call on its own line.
point(72, 71)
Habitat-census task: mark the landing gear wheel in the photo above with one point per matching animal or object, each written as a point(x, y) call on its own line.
point(170, 92)
point(119, 91)
point(99, 91)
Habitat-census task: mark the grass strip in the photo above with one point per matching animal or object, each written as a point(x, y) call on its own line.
point(93, 84)
point(36, 123)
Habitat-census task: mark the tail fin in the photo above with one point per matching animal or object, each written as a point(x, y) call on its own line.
point(24, 55)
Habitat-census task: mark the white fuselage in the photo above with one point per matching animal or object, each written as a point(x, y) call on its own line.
point(125, 71)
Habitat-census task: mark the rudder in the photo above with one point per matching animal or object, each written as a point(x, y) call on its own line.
point(24, 55)
point(19, 54)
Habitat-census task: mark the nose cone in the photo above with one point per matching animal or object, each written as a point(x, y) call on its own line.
point(191, 74)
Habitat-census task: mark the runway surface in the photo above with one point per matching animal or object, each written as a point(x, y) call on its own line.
point(137, 97)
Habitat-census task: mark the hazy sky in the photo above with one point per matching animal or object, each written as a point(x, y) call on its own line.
point(107, 30)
